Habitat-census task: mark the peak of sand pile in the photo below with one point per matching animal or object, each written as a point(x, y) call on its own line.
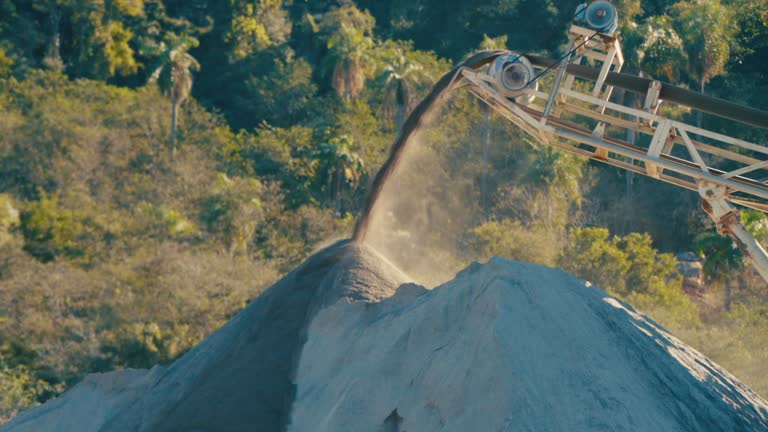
point(344, 344)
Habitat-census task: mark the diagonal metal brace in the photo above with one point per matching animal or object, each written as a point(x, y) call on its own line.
point(728, 222)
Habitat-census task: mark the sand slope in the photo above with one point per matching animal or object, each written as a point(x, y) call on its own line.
point(241, 377)
point(508, 346)
point(343, 343)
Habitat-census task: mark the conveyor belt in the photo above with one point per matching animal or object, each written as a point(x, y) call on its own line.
point(452, 80)
point(695, 100)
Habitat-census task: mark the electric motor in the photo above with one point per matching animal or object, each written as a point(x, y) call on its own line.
point(600, 16)
point(513, 74)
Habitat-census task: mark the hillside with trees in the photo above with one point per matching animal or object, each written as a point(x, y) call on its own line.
point(162, 162)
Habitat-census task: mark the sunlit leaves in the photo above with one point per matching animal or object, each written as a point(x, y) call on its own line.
point(662, 52)
point(708, 29)
point(338, 168)
point(5, 63)
point(258, 27)
point(348, 33)
point(632, 269)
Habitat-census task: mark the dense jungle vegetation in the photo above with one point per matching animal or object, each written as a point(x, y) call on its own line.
point(164, 161)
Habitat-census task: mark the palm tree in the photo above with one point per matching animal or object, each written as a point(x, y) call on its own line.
point(349, 45)
point(708, 30)
point(396, 83)
point(173, 73)
point(338, 165)
point(402, 69)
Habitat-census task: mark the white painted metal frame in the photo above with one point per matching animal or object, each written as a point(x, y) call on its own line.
point(717, 181)
point(602, 48)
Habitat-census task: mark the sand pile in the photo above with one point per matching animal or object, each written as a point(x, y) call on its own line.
point(241, 378)
point(344, 344)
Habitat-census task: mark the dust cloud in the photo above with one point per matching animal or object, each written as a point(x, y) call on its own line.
point(432, 197)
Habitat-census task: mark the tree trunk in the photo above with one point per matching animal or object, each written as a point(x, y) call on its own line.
point(53, 56)
point(728, 288)
point(174, 122)
point(337, 187)
point(403, 100)
point(347, 84)
point(700, 114)
point(486, 149)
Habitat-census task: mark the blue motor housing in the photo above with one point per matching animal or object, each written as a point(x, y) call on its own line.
point(600, 16)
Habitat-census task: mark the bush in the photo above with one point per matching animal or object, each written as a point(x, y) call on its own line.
point(21, 389)
point(510, 239)
point(630, 268)
point(50, 232)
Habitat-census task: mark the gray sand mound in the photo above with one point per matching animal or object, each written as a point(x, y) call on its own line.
point(241, 377)
point(508, 346)
point(342, 343)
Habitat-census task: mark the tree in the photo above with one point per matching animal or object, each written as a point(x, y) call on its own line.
point(338, 166)
point(722, 261)
point(233, 210)
point(278, 90)
point(630, 268)
point(101, 39)
point(590, 254)
point(349, 43)
point(174, 74)
point(399, 69)
point(257, 27)
point(708, 31)
point(511, 239)
point(662, 51)
point(50, 232)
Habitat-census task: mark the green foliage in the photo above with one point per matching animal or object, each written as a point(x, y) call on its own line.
point(20, 386)
point(402, 74)
point(280, 94)
point(258, 27)
point(662, 53)
point(120, 250)
point(496, 43)
point(337, 168)
point(143, 345)
point(50, 231)
point(348, 34)
point(289, 237)
point(512, 240)
point(734, 341)
point(592, 255)
point(103, 42)
point(278, 155)
point(560, 171)
point(20, 389)
point(629, 267)
point(721, 256)
point(5, 63)
point(232, 210)
point(708, 31)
